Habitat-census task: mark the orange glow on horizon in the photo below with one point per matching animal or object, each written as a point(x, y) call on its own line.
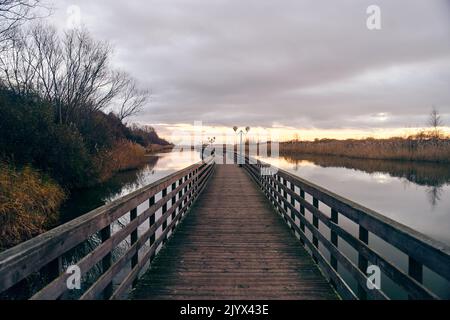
point(180, 132)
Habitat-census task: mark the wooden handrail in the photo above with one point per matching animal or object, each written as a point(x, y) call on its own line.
point(38, 253)
point(286, 190)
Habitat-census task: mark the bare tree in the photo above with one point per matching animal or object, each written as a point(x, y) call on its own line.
point(132, 99)
point(18, 66)
point(71, 70)
point(435, 122)
point(13, 13)
point(87, 81)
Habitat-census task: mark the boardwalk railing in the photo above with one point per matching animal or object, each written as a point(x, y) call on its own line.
point(319, 223)
point(161, 206)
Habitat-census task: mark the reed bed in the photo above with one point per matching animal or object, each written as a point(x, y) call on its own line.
point(124, 155)
point(408, 149)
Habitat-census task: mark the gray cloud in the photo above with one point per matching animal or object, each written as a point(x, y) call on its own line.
point(297, 63)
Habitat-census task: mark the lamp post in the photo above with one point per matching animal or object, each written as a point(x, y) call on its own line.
point(211, 140)
point(241, 134)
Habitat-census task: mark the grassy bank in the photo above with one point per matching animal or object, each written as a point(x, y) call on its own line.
point(29, 203)
point(155, 148)
point(417, 148)
point(124, 155)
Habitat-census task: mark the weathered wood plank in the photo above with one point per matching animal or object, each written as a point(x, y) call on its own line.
point(233, 245)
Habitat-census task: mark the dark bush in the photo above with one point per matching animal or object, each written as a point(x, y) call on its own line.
point(145, 136)
point(30, 135)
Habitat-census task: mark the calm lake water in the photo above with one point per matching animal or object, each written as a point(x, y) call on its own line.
point(415, 194)
point(158, 166)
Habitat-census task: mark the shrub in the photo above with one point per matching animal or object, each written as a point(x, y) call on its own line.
point(29, 203)
point(101, 130)
point(67, 158)
point(30, 135)
point(124, 155)
point(25, 124)
point(145, 136)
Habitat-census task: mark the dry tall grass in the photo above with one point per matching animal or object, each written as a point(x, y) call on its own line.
point(155, 148)
point(125, 155)
point(417, 148)
point(29, 204)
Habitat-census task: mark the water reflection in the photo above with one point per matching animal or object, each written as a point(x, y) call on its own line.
point(434, 195)
point(431, 175)
point(412, 193)
point(158, 166)
point(424, 174)
point(83, 201)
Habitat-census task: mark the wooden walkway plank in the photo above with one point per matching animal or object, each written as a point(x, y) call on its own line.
point(232, 245)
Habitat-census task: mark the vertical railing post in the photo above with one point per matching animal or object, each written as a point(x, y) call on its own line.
point(279, 190)
point(334, 241)
point(196, 180)
point(54, 268)
point(151, 222)
point(134, 238)
point(415, 270)
point(272, 191)
point(164, 210)
point(105, 234)
point(316, 226)
point(285, 195)
point(302, 212)
point(185, 191)
point(362, 261)
point(334, 238)
point(292, 187)
point(174, 200)
point(180, 195)
point(281, 203)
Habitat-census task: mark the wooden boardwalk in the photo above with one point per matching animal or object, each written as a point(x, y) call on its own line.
point(232, 245)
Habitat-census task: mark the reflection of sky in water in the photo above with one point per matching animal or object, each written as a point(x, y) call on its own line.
point(168, 163)
point(158, 166)
point(423, 208)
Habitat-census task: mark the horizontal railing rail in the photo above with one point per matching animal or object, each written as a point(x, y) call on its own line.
point(287, 193)
point(168, 200)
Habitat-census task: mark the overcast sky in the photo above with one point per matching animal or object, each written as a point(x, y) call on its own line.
point(298, 64)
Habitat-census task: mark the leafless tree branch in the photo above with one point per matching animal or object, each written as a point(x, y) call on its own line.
point(71, 70)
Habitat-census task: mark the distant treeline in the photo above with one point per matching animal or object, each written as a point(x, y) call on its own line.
point(421, 147)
